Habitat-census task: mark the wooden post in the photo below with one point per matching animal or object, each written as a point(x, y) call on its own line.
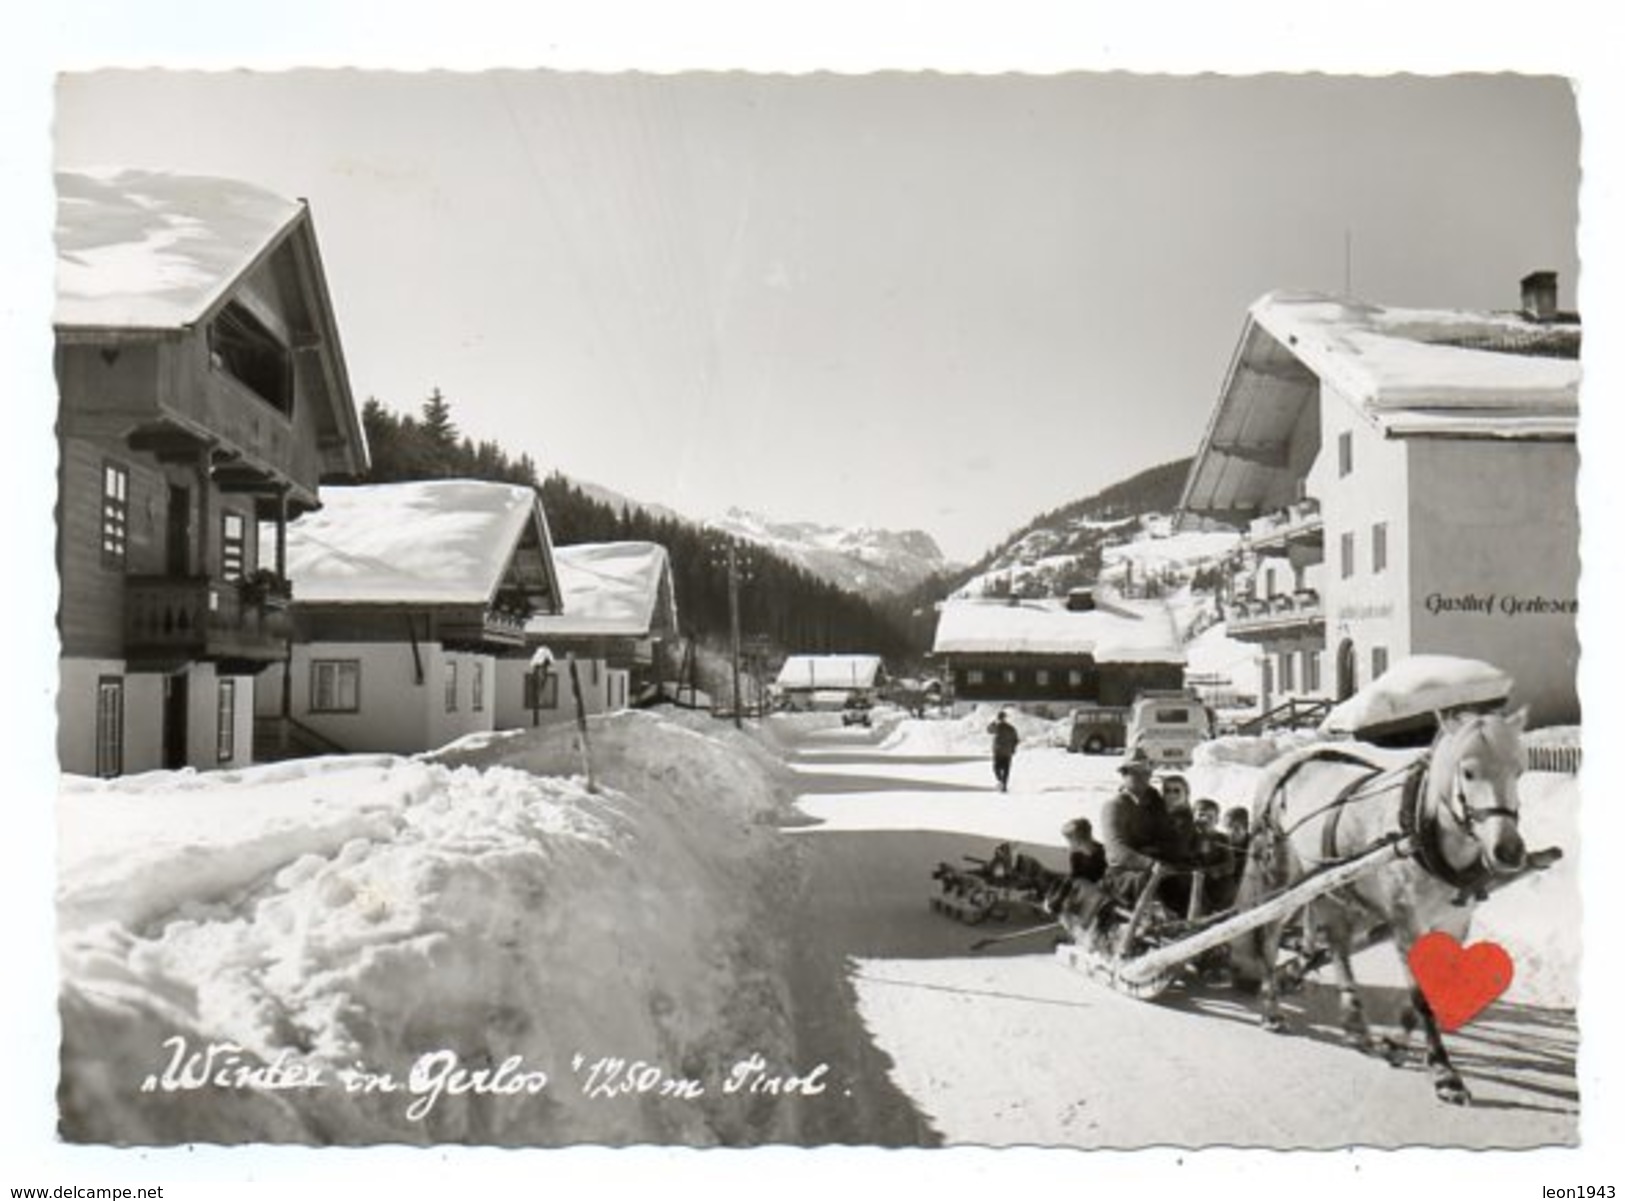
point(581, 722)
point(282, 534)
point(733, 627)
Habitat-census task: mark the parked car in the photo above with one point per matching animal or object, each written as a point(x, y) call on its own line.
point(1167, 726)
point(856, 712)
point(1097, 729)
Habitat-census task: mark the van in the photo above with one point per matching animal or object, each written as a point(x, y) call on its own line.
point(1167, 726)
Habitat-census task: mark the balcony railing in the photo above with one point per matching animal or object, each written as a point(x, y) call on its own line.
point(1283, 611)
point(1298, 522)
point(195, 617)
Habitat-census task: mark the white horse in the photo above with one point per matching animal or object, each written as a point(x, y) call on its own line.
point(1458, 803)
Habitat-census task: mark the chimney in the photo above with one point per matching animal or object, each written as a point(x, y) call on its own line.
point(1080, 600)
point(1540, 296)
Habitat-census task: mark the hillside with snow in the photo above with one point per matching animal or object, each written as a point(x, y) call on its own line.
point(866, 560)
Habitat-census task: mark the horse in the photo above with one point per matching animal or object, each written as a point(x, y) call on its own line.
point(1456, 807)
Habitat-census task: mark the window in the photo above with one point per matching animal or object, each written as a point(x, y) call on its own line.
point(1287, 684)
point(1009, 675)
point(225, 729)
point(476, 684)
point(110, 726)
point(548, 698)
point(1043, 678)
point(1074, 677)
point(335, 686)
point(233, 545)
point(1379, 661)
point(451, 685)
point(1379, 547)
point(1346, 545)
point(241, 346)
point(1269, 581)
point(1267, 669)
point(975, 675)
point(1311, 671)
point(1345, 453)
point(115, 515)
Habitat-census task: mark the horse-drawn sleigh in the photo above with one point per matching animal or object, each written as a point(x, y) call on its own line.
point(1351, 846)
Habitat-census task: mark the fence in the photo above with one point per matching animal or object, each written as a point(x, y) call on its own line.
point(1552, 758)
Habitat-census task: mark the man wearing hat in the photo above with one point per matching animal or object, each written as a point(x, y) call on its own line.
point(1133, 827)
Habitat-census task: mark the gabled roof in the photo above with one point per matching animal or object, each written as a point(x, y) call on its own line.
point(1116, 632)
point(427, 542)
point(833, 672)
point(1409, 372)
point(150, 253)
point(610, 589)
point(156, 250)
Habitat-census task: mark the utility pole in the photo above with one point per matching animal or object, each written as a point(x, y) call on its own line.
point(733, 628)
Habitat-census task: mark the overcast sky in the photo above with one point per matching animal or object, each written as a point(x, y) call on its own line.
point(908, 300)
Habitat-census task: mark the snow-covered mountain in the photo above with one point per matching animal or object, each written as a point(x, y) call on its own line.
point(870, 561)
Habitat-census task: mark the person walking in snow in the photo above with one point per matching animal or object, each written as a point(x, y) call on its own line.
point(1005, 740)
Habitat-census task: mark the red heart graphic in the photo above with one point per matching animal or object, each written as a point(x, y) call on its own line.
point(1458, 981)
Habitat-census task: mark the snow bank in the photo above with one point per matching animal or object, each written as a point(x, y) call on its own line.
point(385, 916)
point(967, 735)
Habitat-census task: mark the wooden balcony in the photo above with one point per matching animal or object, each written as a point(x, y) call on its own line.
point(1299, 524)
point(172, 619)
point(483, 629)
point(1257, 620)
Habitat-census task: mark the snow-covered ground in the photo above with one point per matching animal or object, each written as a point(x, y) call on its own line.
point(1005, 1051)
point(404, 920)
point(360, 938)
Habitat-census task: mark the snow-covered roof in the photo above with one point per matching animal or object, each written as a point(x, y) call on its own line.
point(830, 671)
point(1410, 372)
point(611, 589)
point(155, 250)
point(1115, 632)
point(1401, 363)
point(423, 542)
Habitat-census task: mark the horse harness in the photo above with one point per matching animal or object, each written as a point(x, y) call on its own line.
point(1419, 828)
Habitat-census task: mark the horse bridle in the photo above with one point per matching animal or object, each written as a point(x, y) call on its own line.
point(1424, 826)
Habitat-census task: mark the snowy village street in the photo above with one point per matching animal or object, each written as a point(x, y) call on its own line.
point(356, 939)
point(1008, 1046)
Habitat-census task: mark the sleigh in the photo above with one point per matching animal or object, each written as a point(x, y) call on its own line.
point(1143, 950)
point(992, 889)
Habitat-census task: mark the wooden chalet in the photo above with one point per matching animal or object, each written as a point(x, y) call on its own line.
point(618, 614)
point(202, 392)
point(406, 596)
point(1087, 648)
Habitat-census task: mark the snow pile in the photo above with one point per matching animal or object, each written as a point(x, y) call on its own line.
point(1537, 919)
point(401, 918)
point(968, 735)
